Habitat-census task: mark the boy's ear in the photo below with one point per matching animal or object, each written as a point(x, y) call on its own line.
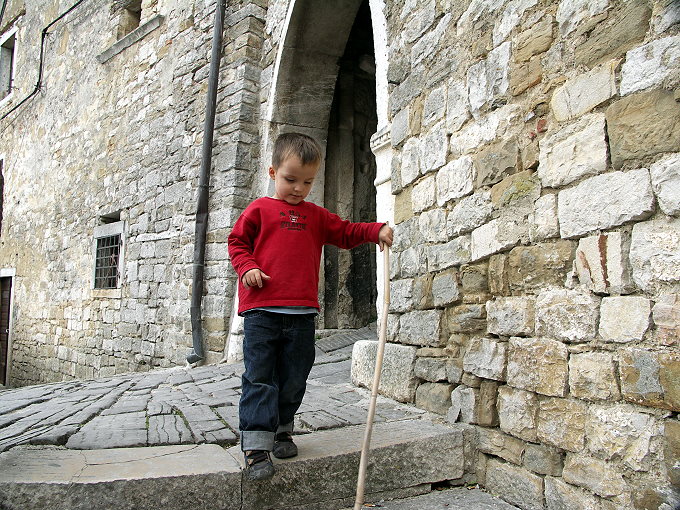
point(272, 172)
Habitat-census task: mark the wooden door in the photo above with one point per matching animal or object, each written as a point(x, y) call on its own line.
point(5, 295)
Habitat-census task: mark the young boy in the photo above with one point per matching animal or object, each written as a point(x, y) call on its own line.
point(275, 247)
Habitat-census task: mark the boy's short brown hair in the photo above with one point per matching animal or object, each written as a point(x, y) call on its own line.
point(296, 144)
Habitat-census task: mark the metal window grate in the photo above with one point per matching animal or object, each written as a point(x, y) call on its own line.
point(106, 271)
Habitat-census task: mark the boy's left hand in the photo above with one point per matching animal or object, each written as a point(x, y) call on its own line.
point(385, 236)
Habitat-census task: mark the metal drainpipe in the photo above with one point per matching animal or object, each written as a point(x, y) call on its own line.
point(196, 353)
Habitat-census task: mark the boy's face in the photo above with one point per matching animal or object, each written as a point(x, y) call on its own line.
point(293, 180)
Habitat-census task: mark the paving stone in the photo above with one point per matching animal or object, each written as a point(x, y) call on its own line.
point(111, 431)
point(168, 429)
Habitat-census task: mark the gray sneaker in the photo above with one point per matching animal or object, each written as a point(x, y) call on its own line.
point(258, 465)
point(284, 447)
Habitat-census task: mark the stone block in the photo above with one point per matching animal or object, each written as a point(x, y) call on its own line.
point(400, 127)
point(518, 412)
point(653, 254)
point(457, 106)
point(412, 262)
point(509, 19)
point(488, 128)
point(423, 194)
point(434, 108)
point(468, 214)
point(654, 64)
point(671, 435)
point(643, 124)
point(520, 190)
point(567, 315)
point(434, 397)
point(495, 442)
point(592, 376)
point(432, 226)
point(433, 150)
point(602, 264)
point(467, 318)
point(544, 460)
point(496, 162)
point(499, 284)
point(562, 496)
point(453, 253)
point(594, 475)
point(445, 289)
point(488, 78)
point(401, 295)
point(455, 180)
point(474, 282)
point(624, 319)
point(486, 358)
point(497, 235)
point(524, 75)
point(533, 41)
point(410, 161)
point(623, 433)
point(538, 365)
point(516, 485)
point(651, 378)
point(422, 292)
point(422, 328)
point(561, 423)
point(577, 150)
point(463, 405)
point(487, 412)
point(666, 183)
point(431, 369)
point(666, 316)
point(454, 372)
point(511, 316)
point(605, 201)
point(397, 379)
point(614, 36)
point(403, 206)
point(543, 222)
point(583, 93)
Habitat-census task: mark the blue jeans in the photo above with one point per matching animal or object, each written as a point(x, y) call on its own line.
point(278, 351)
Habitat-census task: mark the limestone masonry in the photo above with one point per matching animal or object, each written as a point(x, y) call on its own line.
point(527, 153)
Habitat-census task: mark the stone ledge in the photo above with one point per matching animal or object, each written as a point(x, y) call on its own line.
point(136, 35)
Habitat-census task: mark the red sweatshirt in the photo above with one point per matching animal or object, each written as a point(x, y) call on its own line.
point(284, 241)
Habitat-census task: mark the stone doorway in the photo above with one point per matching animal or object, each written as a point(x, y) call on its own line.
point(5, 309)
point(350, 276)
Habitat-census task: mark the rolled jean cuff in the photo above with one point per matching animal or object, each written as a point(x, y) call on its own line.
point(288, 427)
point(257, 440)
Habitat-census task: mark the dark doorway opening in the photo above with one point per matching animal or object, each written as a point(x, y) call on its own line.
point(5, 301)
point(350, 277)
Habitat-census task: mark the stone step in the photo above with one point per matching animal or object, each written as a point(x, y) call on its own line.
point(406, 458)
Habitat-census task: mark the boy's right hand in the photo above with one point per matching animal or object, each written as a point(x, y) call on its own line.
point(254, 278)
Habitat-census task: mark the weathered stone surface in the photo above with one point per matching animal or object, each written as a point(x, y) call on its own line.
point(519, 191)
point(562, 496)
point(543, 460)
point(434, 397)
point(455, 180)
point(666, 183)
point(467, 318)
point(602, 263)
point(561, 423)
point(524, 75)
point(401, 295)
point(496, 162)
point(454, 372)
point(625, 318)
point(434, 108)
point(433, 225)
point(605, 201)
point(457, 106)
point(652, 65)
point(400, 127)
point(574, 151)
point(594, 475)
point(445, 289)
point(422, 292)
point(621, 432)
point(421, 328)
point(543, 220)
point(581, 94)
point(592, 376)
point(534, 41)
point(486, 358)
point(539, 365)
point(653, 254)
point(666, 16)
point(494, 442)
point(666, 316)
point(516, 485)
point(567, 315)
point(433, 149)
point(487, 412)
point(423, 194)
point(651, 378)
point(410, 161)
point(453, 253)
point(517, 412)
point(643, 124)
point(497, 235)
point(463, 405)
point(488, 78)
point(575, 14)
point(499, 284)
point(511, 316)
point(474, 282)
point(671, 434)
point(431, 369)
point(468, 214)
point(397, 379)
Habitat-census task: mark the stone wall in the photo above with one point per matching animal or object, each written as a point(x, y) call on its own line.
point(535, 277)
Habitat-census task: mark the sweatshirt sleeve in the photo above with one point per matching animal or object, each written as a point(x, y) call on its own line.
point(241, 243)
point(345, 234)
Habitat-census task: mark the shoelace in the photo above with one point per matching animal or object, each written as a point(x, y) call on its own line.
point(257, 456)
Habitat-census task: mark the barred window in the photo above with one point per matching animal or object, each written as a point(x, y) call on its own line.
point(106, 273)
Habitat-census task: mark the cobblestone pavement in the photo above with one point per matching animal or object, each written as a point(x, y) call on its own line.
point(180, 405)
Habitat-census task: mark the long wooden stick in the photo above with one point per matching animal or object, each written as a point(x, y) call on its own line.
point(359, 501)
